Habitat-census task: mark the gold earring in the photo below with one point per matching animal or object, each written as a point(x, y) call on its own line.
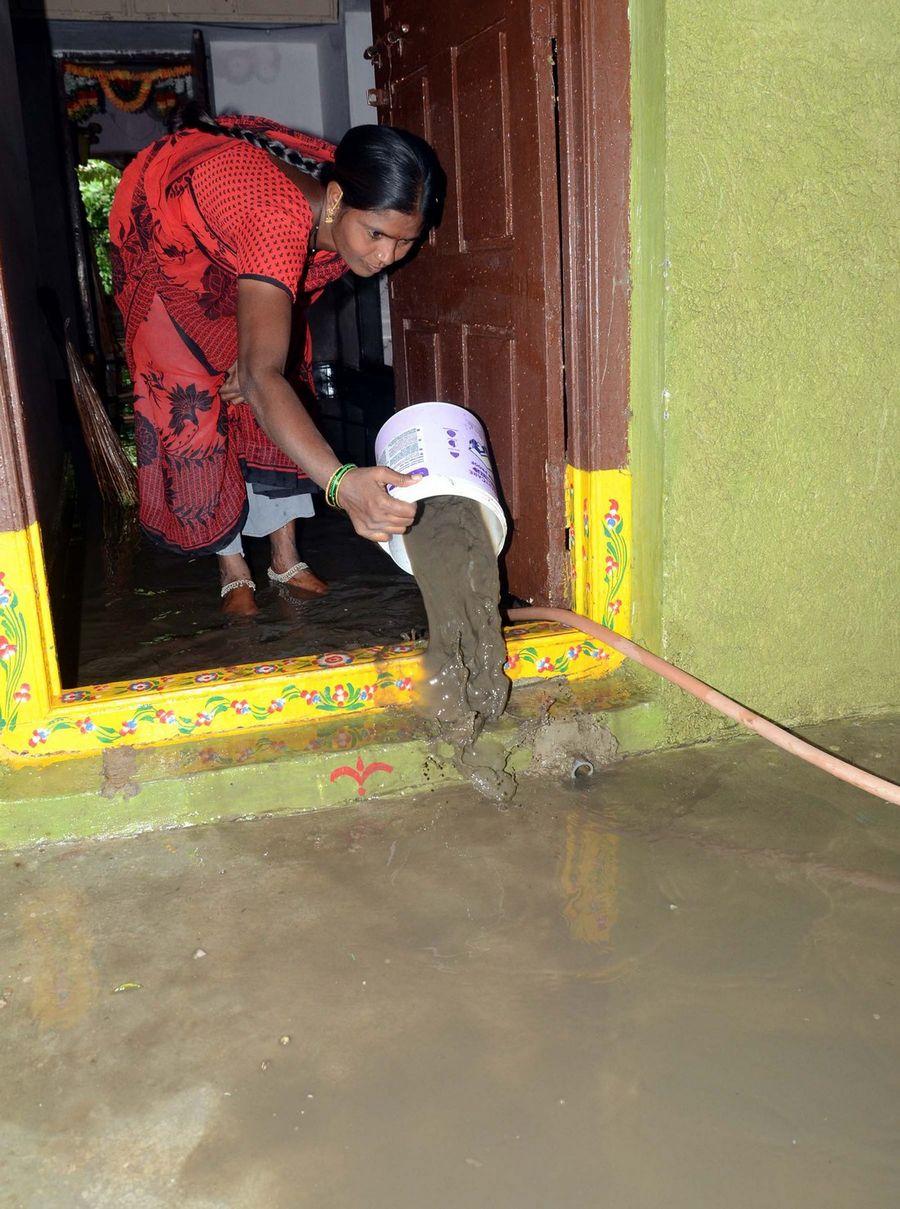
point(332, 210)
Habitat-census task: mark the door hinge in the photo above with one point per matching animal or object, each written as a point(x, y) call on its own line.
point(378, 98)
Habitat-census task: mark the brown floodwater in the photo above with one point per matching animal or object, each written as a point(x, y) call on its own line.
point(162, 609)
point(672, 988)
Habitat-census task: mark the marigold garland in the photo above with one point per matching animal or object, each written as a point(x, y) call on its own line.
point(110, 81)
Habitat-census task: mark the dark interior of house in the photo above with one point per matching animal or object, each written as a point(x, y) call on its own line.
point(93, 94)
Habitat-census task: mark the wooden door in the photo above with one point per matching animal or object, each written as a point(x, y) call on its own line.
point(476, 316)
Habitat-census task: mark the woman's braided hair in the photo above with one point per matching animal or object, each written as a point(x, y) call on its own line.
point(377, 167)
point(265, 142)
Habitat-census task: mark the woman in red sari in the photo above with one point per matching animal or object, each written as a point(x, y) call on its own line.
point(218, 231)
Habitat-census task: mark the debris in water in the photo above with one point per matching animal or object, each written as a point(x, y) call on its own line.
point(199, 953)
point(285, 1040)
point(265, 1064)
point(128, 986)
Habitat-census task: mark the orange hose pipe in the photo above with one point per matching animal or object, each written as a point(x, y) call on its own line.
point(866, 781)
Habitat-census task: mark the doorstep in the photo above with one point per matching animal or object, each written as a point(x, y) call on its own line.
point(336, 762)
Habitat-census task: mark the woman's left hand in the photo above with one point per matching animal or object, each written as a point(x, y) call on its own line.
point(230, 390)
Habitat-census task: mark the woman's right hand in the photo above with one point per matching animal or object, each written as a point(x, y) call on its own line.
point(376, 514)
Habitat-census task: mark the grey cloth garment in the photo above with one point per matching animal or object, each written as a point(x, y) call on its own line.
point(266, 515)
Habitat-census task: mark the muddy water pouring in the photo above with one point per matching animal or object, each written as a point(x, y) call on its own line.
point(452, 550)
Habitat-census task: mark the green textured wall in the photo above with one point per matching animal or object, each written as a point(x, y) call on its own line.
point(765, 430)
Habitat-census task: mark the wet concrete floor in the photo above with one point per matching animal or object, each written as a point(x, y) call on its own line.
point(674, 988)
point(162, 610)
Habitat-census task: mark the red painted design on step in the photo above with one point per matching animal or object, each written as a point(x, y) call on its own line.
point(360, 773)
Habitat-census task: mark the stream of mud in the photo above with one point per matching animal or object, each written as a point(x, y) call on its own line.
point(454, 562)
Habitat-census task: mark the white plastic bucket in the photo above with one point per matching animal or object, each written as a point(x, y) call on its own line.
point(446, 448)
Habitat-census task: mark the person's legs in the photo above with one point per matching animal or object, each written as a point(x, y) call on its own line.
point(233, 569)
point(283, 544)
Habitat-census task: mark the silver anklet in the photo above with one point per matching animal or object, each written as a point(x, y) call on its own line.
point(238, 583)
point(282, 577)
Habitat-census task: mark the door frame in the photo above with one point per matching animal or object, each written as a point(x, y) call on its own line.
point(593, 61)
point(39, 720)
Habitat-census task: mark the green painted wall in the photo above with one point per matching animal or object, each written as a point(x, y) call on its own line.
point(765, 429)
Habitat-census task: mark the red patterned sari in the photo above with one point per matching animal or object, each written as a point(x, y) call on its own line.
point(194, 213)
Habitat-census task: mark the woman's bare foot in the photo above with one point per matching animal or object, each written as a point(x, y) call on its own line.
point(238, 602)
point(305, 583)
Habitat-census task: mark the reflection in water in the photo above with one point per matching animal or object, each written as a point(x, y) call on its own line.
point(590, 880)
point(58, 943)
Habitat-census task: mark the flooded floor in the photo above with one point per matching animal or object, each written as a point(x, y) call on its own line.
point(164, 609)
point(674, 988)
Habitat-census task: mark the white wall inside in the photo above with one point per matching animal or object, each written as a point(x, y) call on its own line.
point(360, 75)
point(278, 80)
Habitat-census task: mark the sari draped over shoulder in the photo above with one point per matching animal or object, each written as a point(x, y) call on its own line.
point(195, 212)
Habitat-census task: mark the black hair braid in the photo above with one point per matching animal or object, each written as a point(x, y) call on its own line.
point(376, 167)
point(202, 121)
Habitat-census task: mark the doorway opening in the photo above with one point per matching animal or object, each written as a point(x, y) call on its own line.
point(165, 608)
point(475, 319)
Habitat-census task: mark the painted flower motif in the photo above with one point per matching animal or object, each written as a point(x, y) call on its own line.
point(545, 665)
point(129, 727)
point(39, 735)
point(512, 662)
point(85, 725)
point(611, 566)
point(5, 596)
point(343, 739)
point(140, 686)
point(264, 669)
point(340, 694)
point(334, 659)
point(73, 695)
point(573, 652)
point(203, 718)
point(22, 693)
point(612, 517)
point(7, 648)
point(276, 706)
point(206, 678)
point(404, 685)
point(402, 648)
point(166, 716)
point(614, 607)
point(240, 707)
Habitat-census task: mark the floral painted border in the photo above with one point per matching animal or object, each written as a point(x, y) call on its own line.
point(347, 697)
point(14, 692)
point(599, 519)
point(247, 702)
point(84, 723)
point(616, 563)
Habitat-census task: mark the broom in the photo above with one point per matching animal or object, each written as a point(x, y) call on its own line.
point(115, 475)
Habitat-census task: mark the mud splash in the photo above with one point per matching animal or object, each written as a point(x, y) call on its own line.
point(456, 568)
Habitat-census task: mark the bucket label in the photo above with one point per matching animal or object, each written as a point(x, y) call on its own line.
point(405, 453)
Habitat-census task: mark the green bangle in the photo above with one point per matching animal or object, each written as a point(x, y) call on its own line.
point(334, 483)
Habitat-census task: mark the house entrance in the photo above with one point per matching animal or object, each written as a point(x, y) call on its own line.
point(476, 318)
